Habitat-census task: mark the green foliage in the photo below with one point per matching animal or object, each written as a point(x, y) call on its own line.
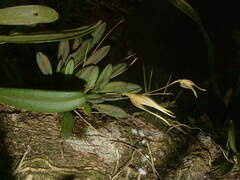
point(48, 36)
point(120, 87)
point(231, 137)
point(44, 64)
point(42, 100)
point(111, 110)
point(79, 61)
point(27, 15)
point(118, 69)
point(98, 55)
point(67, 123)
point(103, 78)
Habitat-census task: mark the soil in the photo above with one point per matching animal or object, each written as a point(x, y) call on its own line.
point(131, 148)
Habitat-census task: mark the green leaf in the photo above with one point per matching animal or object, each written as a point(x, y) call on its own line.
point(27, 15)
point(118, 69)
point(67, 124)
point(76, 43)
point(120, 87)
point(81, 53)
point(42, 100)
point(111, 97)
point(44, 64)
point(231, 136)
point(98, 55)
point(94, 98)
point(223, 169)
point(63, 50)
point(111, 110)
point(87, 109)
point(60, 65)
point(69, 68)
point(84, 73)
point(49, 36)
point(187, 9)
point(92, 78)
point(98, 34)
point(89, 74)
point(104, 77)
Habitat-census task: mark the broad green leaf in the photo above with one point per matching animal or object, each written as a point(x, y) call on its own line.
point(76, 43)
point(98, 55)
point(98, 34)
point(94, 98)
point(231, 136)
point(49, 36)
point(87, 109)
point(104, 77)
point(44, 64)
point(63, 50)
point(84, 73)
point(120, 87)
point(27, 15)
point(69, 68)
point(81, 53)
point(92, 78)
point(60, 65)
point(111, 97)
point(114, 86)
point(111, 110)
point(89, 74)
point(118, 69)
point(42, 100)
point(67, 124)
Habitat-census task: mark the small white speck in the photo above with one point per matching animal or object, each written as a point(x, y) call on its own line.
point(144, 141)
point(134, 131)
point(142, 171)
point(141, 133)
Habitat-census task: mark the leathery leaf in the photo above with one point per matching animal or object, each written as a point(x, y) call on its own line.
point(98, 33)
point(98, 55)
point(27, 15)
point(104, 77)
point(42, 100)
point(89, 74)
point(120, 87)
point(69, 68)
point(94, 98)
point(111, 110)
point(63, 50)
point(80, 54)
point(67, 123)
point(48, 36)
point(118, 69)
point(231, 136)
point(44, 64)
